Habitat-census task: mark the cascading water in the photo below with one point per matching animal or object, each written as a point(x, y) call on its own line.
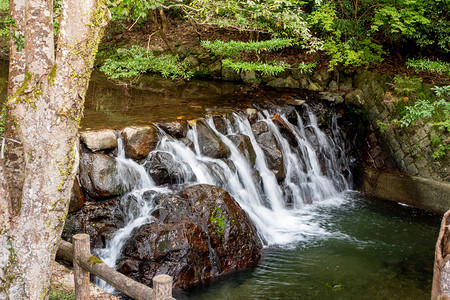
point(314, 165)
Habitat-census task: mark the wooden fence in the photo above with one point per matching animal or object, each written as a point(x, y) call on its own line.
point(84, 263)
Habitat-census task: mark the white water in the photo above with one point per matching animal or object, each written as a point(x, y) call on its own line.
point(283, 212)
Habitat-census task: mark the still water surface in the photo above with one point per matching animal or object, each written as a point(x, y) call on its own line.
point(372, 249)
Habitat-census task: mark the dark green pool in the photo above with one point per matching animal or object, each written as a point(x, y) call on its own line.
point(371, 249)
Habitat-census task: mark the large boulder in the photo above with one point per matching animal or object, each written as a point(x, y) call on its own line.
point(269, 145)
point(97, 140)
point(100, 220)
point(163, 168)
point(99, 175)
point(209, 143)
point(139, 141)
point(176, 129)
point(198, 235)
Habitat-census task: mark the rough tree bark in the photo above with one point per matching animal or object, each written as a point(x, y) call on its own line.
point(441, 270)
point(46, 96)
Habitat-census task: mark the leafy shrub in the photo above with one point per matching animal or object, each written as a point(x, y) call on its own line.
point(347, 40)
point(267, 68)
point(130, 63)
point(234, 48)
point(306, 67)
point(281, 18)
point(430, 66)
point(406, 86)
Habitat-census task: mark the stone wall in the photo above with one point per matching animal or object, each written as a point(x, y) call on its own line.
point(408, 150)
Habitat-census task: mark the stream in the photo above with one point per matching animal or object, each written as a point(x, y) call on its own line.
point(342, 245)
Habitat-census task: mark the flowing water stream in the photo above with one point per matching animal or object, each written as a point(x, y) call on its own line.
point(321, 239)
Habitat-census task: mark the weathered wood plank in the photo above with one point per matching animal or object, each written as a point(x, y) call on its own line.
point(121, 282)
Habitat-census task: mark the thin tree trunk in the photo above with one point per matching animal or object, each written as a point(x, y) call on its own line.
point(154, 18)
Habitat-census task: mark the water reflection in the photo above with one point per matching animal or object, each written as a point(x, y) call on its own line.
point(156, 99)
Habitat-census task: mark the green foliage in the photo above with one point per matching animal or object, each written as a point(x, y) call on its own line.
point(400, 18)
point(345, 37)
point(281, 18)
point(2, 119)
point(306, 67)
point(234, 48)
point(61, 294)
point(429, 66)
point(132, 9)
point(352, 53)
point(405, 85)
point(267, 68)
point(436, 111)
point(7, 26)
point(423, 21)
point(130, 63)
point(440, 148)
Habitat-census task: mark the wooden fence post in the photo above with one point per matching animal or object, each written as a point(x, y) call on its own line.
point(81, 245)
point(162, 287)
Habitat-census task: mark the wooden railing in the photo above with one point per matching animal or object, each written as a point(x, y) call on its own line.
point(84, 263)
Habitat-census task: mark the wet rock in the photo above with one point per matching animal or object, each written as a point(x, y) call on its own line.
point(331, 97)
point(99, 175)
point(288, 82)
point(99, 139)
point(249, 77)
point(76, 197)
point(179, 250)
point(346, 84)
point(188, 143)
point(270, 147)
point(228, 74)
point(314, 87)
point(210, 144)
point(192, 61)
point(295, 102)
point(220, 124)
point(200, 234)
point(333, 86)
point(100, 220)
point(182, 50)
point(175, 129)
point(156, 50)
point(139, 141)
point(215, 69)
point(321, 77)
point(285, 130)
point(244, 145)
point(163, 169)
point(171, 208)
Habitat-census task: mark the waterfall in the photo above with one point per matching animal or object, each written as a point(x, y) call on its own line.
point(316, 170)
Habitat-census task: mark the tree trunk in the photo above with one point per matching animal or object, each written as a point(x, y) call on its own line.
point(46, 98)
point(441, 270)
